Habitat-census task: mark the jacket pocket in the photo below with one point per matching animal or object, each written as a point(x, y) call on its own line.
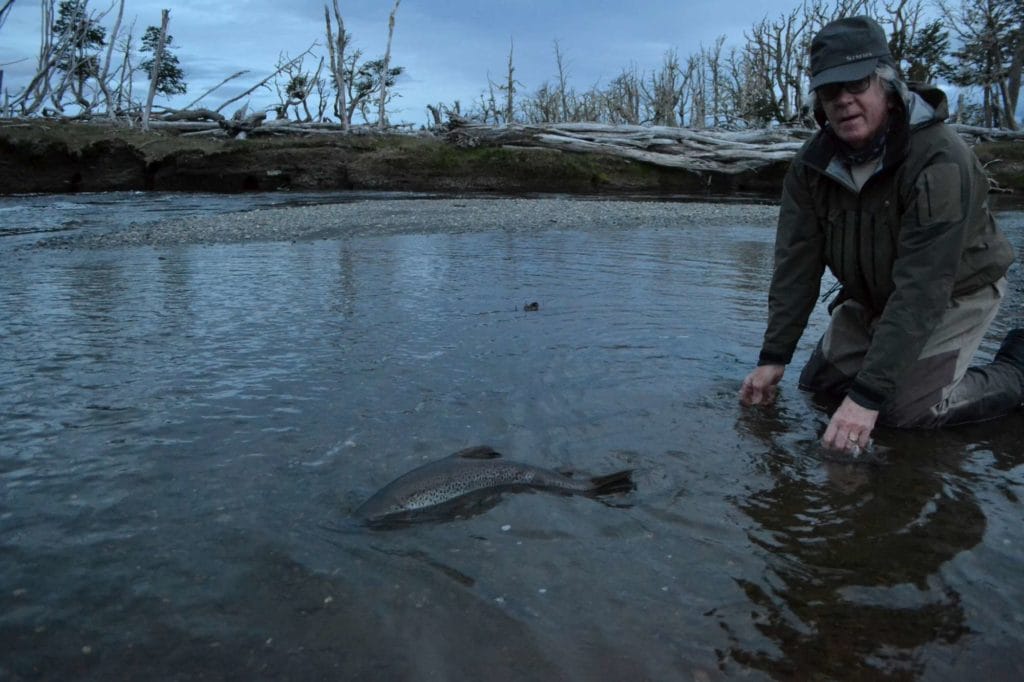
point(939, 197)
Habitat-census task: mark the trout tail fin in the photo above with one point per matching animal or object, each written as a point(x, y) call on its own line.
point(612, 484)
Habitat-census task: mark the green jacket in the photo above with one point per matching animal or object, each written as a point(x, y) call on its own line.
point(918, 233)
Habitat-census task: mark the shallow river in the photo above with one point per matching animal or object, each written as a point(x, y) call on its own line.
point(184, 432)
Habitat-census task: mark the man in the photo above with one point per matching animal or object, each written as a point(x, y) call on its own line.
point(895, 204)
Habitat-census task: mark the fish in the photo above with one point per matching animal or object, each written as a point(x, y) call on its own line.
point(474, 478)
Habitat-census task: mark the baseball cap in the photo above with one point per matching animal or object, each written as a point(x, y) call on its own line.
point(848, 49)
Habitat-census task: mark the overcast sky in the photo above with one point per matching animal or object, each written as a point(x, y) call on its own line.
point(449, 48)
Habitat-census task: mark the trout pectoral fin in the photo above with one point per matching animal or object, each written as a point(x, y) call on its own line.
point(478, 452)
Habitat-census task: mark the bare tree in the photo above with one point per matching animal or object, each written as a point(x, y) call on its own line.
point(321, 87)
point(544, 106)
point(776, 56)
point(299, 85)
point(510, 86)
point(589, 106)
point(488, 105)
point(382, 119)
point(63, 59)
point(623, 97)
point(104, 80)
point(80, 35)
point(663, 93)
point(336, 44)
point(717, 84)
point(123, 92)
point(563, 83)
point(165, 18)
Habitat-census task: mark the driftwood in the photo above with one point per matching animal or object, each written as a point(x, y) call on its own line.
point(978, 134)
point(183, 126)
point(700, 151)
point(193, 115)
point(708, 150)
point(255, 126)
point(240, 127)
point(213, 123)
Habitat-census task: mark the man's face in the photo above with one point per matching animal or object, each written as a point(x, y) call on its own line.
point(857, 118)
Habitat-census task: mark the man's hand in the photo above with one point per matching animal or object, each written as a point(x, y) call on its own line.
point(849, 431)
point(761, 386)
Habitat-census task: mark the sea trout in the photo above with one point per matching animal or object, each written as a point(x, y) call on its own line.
point(471, 475)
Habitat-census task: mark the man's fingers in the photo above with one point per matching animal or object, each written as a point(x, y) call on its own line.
point(845, 439)
point(750, 394)
point(747, 392)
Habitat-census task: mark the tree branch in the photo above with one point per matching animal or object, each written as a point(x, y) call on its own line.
point(263, 82)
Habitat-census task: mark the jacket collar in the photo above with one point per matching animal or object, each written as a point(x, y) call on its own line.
point(925, 106)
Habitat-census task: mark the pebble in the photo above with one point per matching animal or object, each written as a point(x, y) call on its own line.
point(385, 217)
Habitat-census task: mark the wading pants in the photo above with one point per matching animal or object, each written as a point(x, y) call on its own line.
point(939, 389)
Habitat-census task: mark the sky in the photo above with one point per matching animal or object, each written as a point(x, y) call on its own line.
point(448, 48)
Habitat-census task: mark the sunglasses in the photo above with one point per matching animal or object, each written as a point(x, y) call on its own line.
point(831, 91)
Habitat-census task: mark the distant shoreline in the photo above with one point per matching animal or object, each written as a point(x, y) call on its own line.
point(45, 156)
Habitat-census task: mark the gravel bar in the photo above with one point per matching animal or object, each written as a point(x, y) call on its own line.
point(420, 216)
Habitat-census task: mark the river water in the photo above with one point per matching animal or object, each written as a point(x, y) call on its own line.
point(185, 430)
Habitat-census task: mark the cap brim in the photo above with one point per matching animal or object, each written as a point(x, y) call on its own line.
point(844, 73)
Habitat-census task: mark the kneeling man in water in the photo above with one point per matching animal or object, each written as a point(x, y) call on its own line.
point(895, 204)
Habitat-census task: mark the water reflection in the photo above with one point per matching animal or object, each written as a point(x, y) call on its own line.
point(855, 552)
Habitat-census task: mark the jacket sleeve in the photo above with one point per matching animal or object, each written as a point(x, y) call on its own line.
point(799, 264)
point(934, 228)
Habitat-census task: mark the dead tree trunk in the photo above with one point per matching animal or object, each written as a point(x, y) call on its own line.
point(124, 84)
point(382, 120)
point(165, 18)
point(105, 71)
point(510, 87)
point(33, 96)
point(336, 48)
point(563, 83)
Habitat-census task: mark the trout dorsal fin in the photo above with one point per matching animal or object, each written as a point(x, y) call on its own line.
point(478, 452)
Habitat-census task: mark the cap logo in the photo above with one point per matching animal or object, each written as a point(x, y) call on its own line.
point(857, 57)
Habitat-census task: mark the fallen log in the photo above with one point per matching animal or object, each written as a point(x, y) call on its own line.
point(192, 115)
point(700, 151)
point(240, 125)
point(975, 133)
point(183, 126)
